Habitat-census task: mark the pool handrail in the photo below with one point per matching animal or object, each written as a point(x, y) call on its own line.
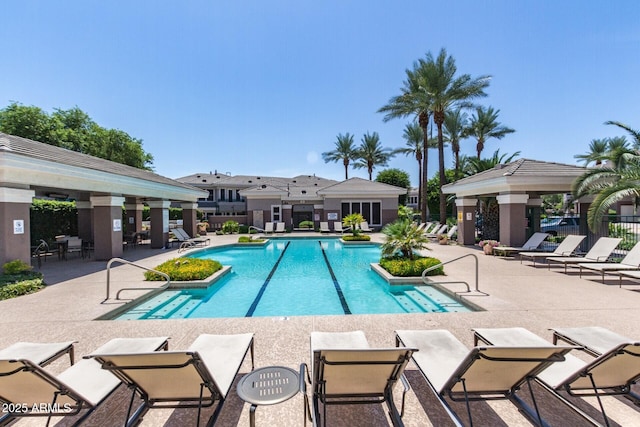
point(425, 271)
point(124, 261)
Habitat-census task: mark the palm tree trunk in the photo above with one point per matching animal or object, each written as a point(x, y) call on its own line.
point(419, 159)
point(346, 168)
point(423, 121)
point(439, 119)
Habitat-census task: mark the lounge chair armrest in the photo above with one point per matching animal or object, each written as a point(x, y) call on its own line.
point(303, 389)
point(407, 387)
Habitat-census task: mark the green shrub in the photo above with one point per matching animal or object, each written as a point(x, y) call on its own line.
point(404, 267)
point(305, 224)
point(21, 288)
point(243, 229)
point(184, 269)
point(16, 267)
point(249, 239)
point(230, 227)
point(357, 238)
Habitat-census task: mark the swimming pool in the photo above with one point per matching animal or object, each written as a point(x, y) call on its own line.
point(295, 277)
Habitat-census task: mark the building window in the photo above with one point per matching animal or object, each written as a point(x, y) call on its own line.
point(275, 213)
point(371, 211)
point(222, 193)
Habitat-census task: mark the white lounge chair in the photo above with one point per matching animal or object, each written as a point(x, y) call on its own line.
point(196, 378)
point(337, 227)
point(25, 386)
point(364, 226)
point(183, 236)
point(441, 230)
point(345, 370)
point(600, 252)
point(566, 248)
point(612, 372)
point(631, 261)
point(449, 233)
point(268, 228)
point(280, 227)
point(534, 242)
point(324, 227)
point(432, 228)
point(39, 353)
point(482, 373)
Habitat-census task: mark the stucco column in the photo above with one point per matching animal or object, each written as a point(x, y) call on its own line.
point(466, 209)
point(107, 226)
point(534, 209)
point(15, 225)
point(133, 216)
point(583, 207)
point(189, 218)
point(159, 216)
point(85, 220)
point(513, 221)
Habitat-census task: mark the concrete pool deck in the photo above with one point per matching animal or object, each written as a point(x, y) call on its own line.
point(519, 295)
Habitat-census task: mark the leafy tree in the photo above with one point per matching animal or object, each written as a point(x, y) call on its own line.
point(414, 100)
point(433, 190)
point(371, 153)
point(396, 177)
point(484, 125)
point(403, 236)
point(447, 91)
point(74, 130)
point(344, 151)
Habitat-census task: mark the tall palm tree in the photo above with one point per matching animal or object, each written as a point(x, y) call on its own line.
point(613, 182)
point(447, 91)
point(413, 101)
point(345, 151)
point(597, 152)
point(413, 136)
point(371, 153)
point(455, 123)
point(473, 165)
point(484, 124)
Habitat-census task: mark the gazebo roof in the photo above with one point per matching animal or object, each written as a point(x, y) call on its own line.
point(520, 176)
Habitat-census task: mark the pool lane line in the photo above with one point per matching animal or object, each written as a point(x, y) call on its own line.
point(266, 282)
point(343, 301)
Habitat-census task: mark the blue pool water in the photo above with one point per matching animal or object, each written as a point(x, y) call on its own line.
point(294, 278)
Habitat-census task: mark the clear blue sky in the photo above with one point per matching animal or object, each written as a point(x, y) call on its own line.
point(264, 87)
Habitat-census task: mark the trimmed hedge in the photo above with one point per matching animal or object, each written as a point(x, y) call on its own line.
point(22, 287)
point(403, 267)
point(249, 239)
point(19, 280)
point(185, 269)
point(357, 238)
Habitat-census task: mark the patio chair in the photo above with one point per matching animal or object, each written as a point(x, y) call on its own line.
point(268, 228)
point(39, 353)
point(441, 230)
point(631, 261)
point(565, 248)
point(480, 374)
point(634, 274)
point(338, 228)
point(533, 243)
point(364, 226)
point(280, 227)
point(434, 227)
point(614, 369)
point(196, 378)
point(600, 252)
point(41, 252)
point(449, 233)
point(33, 391)
point(183, 236)
point(345, 371)
point(324, 227)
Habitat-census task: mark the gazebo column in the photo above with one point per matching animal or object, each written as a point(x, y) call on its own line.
point(513, 221)
point(107, 226)
point(85, 220)
point(159, 216)
point(190, 218)
point(534, 209)
point(466, 208)
point(133, 216)
point(15, 225)
point(583, 205)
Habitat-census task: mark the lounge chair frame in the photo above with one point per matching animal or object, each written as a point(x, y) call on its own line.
point(321, 360)
point(191, 358)
point(457, 390)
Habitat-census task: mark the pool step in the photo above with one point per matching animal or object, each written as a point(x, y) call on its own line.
point(424, 301)
point(147, 307)
point(170, 307)
point(407, 303)
point(186, 309)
